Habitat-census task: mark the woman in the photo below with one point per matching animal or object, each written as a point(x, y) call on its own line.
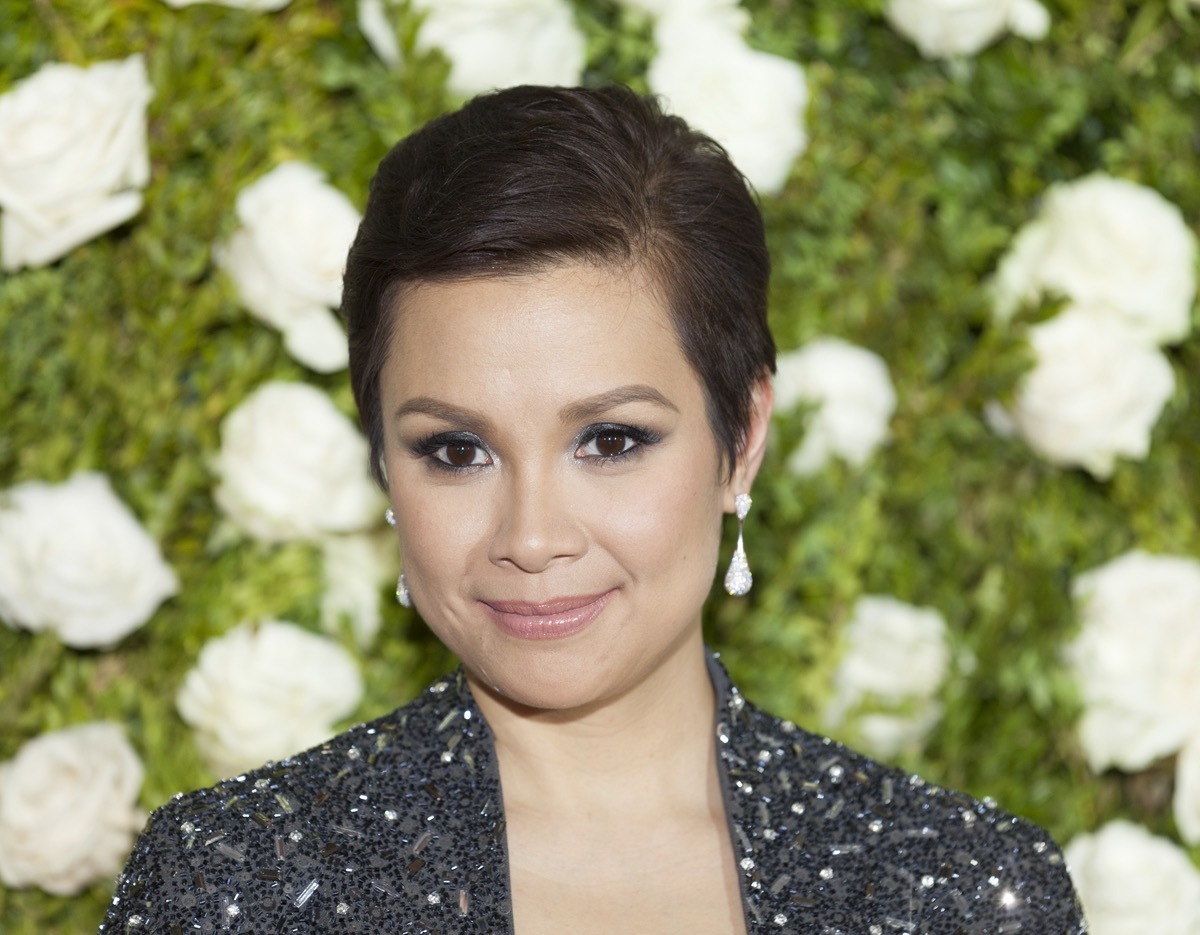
point(557, 316)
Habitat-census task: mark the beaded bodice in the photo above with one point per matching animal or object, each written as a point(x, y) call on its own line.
point(397, 826)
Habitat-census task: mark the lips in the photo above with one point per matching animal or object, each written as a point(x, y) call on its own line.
point(546, 620)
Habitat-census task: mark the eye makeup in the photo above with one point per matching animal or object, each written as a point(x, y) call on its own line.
point(635, 439)
point(601, 444)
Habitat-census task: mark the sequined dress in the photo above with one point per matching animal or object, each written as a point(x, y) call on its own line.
point(397, 826)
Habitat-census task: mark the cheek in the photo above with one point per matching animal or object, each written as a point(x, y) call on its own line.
point(440, 532)
point(664, 527)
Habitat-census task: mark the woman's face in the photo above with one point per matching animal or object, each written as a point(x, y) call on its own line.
point(556, 484)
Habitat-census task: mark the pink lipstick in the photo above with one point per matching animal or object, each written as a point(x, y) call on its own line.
point(546, 620)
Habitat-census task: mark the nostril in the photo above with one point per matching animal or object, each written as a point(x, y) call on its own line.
point(535, 528)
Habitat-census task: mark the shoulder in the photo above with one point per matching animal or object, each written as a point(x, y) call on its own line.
point(831, 832)
point(355, 827)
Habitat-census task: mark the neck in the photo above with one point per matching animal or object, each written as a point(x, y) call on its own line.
point(652, 743)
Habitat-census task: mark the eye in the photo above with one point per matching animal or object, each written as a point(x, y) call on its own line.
point(613, 442)
point(609, 444)
point(452, 451)
point(460, 453)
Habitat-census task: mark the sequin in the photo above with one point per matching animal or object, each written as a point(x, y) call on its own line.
point(394, 837)
point(306, 893)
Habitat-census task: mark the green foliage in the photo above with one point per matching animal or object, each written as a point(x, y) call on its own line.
point(125, 355)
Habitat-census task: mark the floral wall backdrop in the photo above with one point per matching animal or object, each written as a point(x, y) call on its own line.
point(975, 542)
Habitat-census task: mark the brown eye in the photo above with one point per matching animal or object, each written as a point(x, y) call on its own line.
point(610, 443)
point(613, 443)
point(460, 454)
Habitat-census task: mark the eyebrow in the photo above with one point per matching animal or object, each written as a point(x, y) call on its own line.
point(579, 411)
point(596, 405)
point(427, 405)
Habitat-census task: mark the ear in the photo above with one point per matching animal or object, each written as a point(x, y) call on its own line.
point(746, 469)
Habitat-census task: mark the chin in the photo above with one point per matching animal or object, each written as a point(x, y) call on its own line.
point(578, 674)
point(545, 679)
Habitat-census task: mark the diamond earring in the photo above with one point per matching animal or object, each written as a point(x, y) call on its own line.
point(738, 579)
point(402, 596)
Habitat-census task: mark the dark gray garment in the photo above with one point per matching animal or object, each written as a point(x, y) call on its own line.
point(397, 826)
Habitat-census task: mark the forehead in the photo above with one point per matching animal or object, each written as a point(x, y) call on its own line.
point(571, 328)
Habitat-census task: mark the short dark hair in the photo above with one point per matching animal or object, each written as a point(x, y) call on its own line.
point(527, 177)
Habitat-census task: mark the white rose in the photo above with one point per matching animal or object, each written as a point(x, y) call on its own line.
point(944, 28)
point(1095, 392)
point(73, 157)
point(895, 661)
point(1137, 658)
point(1187, 790)
point(266, 690)
point(1133, 883)
point(288, 257)
point(356, 569)
point(750, 102)
point(500, 43)
point(75, 560)
point(1113, 246)
point(68, 808)
point(292, 467)
point(376, 26)
point(853, 396)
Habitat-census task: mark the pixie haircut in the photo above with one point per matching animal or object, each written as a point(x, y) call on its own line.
point(523, 179)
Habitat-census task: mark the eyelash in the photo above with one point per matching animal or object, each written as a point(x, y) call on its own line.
point(428, 448)
point(641, 438)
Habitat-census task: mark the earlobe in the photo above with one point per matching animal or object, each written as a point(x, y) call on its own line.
point(757, 430)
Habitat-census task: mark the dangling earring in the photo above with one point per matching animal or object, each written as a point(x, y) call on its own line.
point(402, 596)
point(738, 579)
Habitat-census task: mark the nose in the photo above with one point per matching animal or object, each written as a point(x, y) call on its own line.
point(536, 524)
